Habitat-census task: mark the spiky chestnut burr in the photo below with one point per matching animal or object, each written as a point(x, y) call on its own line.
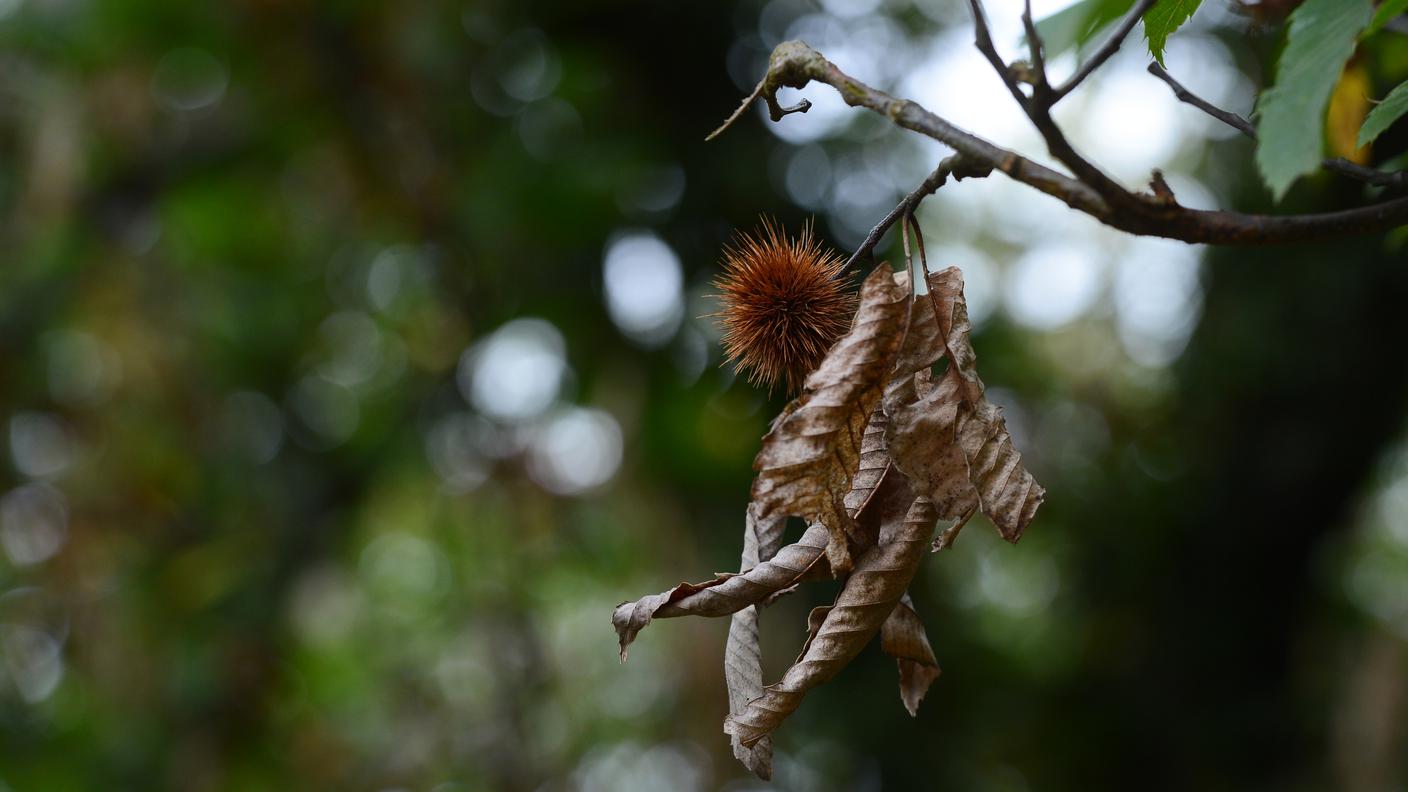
point(783, 303)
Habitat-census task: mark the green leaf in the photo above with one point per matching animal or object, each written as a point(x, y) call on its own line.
point(1292, 112)
point(1164, 18)
point(1384, 114)
point(1387, 10)
point(1073, 27)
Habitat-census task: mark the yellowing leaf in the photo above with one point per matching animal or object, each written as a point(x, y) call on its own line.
point(1322, 37)
point(1349, 104)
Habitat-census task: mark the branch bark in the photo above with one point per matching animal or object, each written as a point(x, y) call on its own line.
point(1038, 105)
point(955, 166)
point(794, 64)
point(1106, 51)
point(1339, 165)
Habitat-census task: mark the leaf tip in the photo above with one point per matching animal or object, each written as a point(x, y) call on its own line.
point(1157, 51)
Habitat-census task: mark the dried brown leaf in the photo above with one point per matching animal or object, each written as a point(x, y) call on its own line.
point(902, 637)
point(881, 575)
point(776, 575)
point(944, 434)
point(923, 343)
point(806, 463)
point(874, 464)
point(727, 593)
point(951, 315)
point(815, 618)
point(743, 654)
point(743, 672)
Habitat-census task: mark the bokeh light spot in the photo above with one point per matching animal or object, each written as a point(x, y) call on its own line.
point(189, 79)
point(34, 660)
point(328, 409)
point(453, 447)
point(1053, 285)
point(1158, 299)
point(33, 523)
point(82, 369)
point(40, 444)
point(577, 450)
point(516, 373)
point(644, 287)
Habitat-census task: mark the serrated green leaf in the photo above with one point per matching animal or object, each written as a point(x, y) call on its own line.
point(1292, 112)
point(1164, 18)
point(1388, 9)
point(1073, 27)
point(1384, 114)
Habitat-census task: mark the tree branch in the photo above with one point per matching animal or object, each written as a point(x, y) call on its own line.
point(955, 166)
point(1106, 51)
point(794, 64)
point(1038, 109)
point(982, 39)
point(1188, 97)
point(1036, 48)
point(1339, 165)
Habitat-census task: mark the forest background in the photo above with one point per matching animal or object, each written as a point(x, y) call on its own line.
point(355, 363)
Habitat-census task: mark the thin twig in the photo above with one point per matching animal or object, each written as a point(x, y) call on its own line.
point(1038, 110)
point(1378, 178)
point(1106, 51)
point(982, 39)
point(1036, 48)
point(955, 166)
point(775, 111)
point(1188, 97)
point(1338, 165)
point(904, 240)
point(744, 105)
point(794, 64)
point(919, 242)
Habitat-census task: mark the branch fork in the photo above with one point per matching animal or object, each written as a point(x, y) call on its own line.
point(794, 64)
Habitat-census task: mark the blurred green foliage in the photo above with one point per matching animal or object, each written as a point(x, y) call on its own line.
point(270, 520)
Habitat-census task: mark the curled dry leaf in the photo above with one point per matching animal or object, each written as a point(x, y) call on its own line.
point(776, 573)
point(874, 465)
point(727, 593)
point(807, 461)
point(902, 637)
point(880, 578)
point(743, 654)
point(943, 433)
point(815, 618)
point(869, 481)
point(743, 671)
